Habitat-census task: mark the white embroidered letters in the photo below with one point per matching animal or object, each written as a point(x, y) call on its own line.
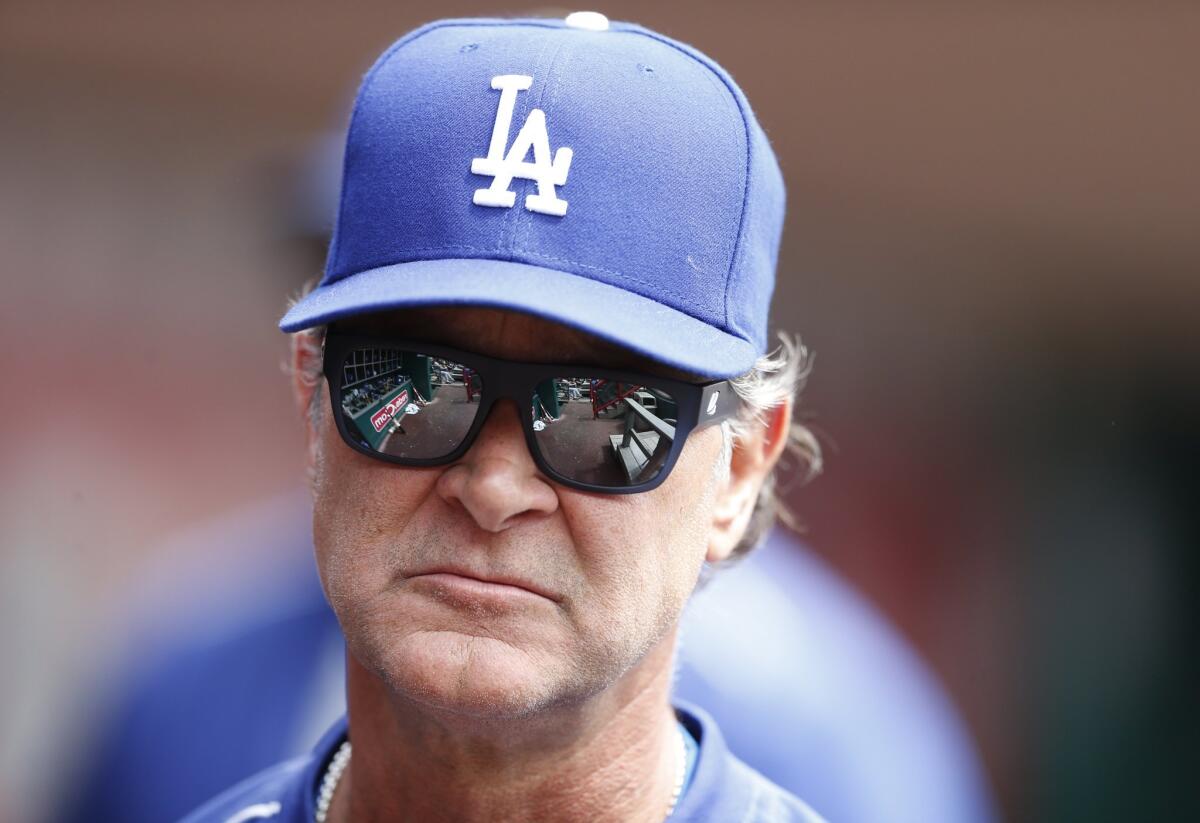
point(502, 168)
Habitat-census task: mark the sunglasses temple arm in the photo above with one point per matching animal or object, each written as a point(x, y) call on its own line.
point(718, 401)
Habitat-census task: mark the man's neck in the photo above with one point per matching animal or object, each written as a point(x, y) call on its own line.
point(612, 757)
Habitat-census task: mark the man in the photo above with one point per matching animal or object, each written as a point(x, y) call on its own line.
point(536, 204)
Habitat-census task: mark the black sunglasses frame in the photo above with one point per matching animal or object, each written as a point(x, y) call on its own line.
point(699, 405)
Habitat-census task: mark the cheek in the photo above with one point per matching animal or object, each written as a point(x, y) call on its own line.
point(647, 549)
point(359, 505)
point(689, 495)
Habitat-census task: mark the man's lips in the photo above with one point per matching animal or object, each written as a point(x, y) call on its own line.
point(484, 584)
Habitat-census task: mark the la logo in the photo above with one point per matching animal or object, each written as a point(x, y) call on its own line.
point(502, 168)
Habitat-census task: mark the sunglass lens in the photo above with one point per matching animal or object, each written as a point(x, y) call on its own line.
point(603, 432)
point(407, 404)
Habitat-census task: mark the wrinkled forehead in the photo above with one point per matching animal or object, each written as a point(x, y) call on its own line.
point(506, 334)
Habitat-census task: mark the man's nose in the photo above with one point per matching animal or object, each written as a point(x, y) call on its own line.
point(497, 480)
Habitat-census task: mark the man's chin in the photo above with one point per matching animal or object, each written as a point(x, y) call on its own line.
point(482, 677)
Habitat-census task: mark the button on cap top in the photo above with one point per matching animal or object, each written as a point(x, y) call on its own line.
point(587, 20)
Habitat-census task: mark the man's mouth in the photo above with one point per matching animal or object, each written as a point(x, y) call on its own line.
point(465, 583)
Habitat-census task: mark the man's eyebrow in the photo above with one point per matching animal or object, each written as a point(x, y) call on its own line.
point(592, 351)
point(570, 347)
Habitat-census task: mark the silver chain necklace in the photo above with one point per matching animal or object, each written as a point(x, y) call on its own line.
point(341, 759)
point(329, 781)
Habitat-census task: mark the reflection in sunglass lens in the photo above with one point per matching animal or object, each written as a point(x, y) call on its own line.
point(407, 404)
point(603, 432)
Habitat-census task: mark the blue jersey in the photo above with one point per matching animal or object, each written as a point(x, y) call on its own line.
point(722, 788)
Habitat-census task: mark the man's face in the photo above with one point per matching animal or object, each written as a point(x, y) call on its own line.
point(484, 587)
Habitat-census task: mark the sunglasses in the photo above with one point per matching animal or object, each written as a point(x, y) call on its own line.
point(594, 429)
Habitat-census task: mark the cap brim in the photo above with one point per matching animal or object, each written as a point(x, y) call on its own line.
point(658, 332)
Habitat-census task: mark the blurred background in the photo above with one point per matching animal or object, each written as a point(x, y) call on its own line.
point(993, 245)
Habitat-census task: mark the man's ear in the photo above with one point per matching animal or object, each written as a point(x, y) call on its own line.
point(754, 457)
point(305, 361)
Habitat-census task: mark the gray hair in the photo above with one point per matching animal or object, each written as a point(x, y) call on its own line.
point(775, 379)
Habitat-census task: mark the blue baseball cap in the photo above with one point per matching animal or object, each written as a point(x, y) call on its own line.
point(599, 175)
